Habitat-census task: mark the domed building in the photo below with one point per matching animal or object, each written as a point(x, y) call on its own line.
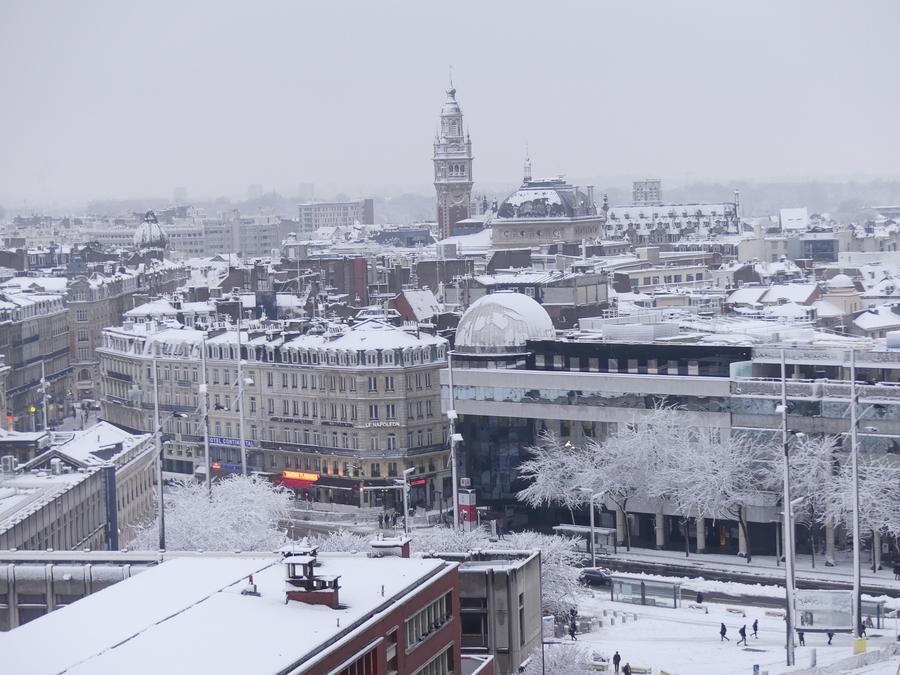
point(150, 236)
point(840, 292)
point(501, 323)
point(546, 211)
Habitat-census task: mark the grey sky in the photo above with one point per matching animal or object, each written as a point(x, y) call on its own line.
point(115, 99)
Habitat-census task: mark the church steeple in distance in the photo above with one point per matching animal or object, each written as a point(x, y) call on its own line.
point(452, 166)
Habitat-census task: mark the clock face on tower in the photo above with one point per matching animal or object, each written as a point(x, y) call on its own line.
point(457, 198)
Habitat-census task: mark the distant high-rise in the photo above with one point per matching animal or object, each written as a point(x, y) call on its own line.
point(647, 191)
point(452, 167)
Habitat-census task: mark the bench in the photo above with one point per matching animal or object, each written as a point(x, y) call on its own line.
point(736, 610)
point(637, 670)
point(600, 666)
point(772, 612)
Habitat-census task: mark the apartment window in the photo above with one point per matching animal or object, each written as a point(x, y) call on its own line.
point(270, 380)
point(375, 470)
point(373, 412)
point(84, 354)
point(427, 379)
point(442, 664)
point(293, 380)
point(215, 376)
point(284, 380)
point(82, 334)
point(473, 622)
point(427, 621)
point(352, 384)
point(303, 381)
point(373, 384)
point(81, 315)
point(271, 408)
point(389, 383)
point(392, 442)
point(285, 407)
point(253, 404)
point(392, 468)
point(409, 439)
point(390, 412)
point(428, 408)
point(353, 416)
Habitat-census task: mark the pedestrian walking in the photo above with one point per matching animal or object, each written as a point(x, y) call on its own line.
point(380, 521)
point(755, 628)
point(573, 627)
point(802, 638)
point(699, 597)
point(627, 669)
point(830, 635)
point(897, 571)
point(743, 633)
point(723, 633)
point(617, 659)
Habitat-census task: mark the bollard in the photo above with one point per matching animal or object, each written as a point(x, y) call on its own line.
point(812, 657)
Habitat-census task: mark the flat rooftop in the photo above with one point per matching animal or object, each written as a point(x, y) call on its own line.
point(188, 615)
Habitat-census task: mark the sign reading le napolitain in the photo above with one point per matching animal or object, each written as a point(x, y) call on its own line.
point(818, 610)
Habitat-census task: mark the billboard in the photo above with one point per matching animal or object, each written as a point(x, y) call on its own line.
point(823, 611)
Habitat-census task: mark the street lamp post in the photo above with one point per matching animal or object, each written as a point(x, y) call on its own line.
point(854, 459)
point(594, 495)
point(788, 519)
point(454, 439)
point(161, 512)
point(406, 473)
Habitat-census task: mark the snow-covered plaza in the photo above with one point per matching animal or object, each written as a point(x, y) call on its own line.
point(686, 640)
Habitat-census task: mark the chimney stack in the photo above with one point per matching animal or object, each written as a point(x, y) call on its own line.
point(302, 584)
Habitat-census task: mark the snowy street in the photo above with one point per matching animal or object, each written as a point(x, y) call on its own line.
point(762, 568)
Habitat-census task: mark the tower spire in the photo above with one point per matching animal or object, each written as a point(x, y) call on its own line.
point(451, 76)
point(527, 172)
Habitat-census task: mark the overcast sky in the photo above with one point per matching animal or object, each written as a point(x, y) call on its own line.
point(118, 99)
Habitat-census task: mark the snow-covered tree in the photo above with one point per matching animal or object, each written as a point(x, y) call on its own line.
point(554, 472)
point(566, 657)
point(342, 541)
point(879, 496)
point(813, 466)
point(243, 514)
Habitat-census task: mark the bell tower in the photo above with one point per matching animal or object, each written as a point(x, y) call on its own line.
point(452, 167)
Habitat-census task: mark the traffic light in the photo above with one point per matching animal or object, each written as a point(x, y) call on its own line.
point(32, 409)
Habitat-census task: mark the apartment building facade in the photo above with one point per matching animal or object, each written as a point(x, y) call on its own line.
point(337, 415)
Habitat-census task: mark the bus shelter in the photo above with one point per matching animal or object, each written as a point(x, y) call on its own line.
point(640, 591)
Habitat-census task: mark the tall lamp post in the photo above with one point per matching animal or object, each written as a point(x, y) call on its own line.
point(157, 438)
point(594, 495)
point(454, 439)
point(788, 519)
point(854, 466)
point(406, 473)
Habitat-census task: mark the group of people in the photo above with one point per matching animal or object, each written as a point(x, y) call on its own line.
point(388, 519)
point(573, 631)
point(742, 631)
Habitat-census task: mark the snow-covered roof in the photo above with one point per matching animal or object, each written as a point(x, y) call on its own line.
point(789, 310)
point(789, 292)
point(91, 446)
point(748, 295)
point(170, 618)
point(423, 303)
point(877, 318)
point(827, 310)
point(840, 281)
point(49, 284)
point(154, 308)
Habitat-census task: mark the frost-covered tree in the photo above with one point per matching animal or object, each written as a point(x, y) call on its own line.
point(342, 541)
point(813, 467)
point(879, 497)
point(567, 658)
point(243, 513)
point(559, 555)
point(555, 472)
